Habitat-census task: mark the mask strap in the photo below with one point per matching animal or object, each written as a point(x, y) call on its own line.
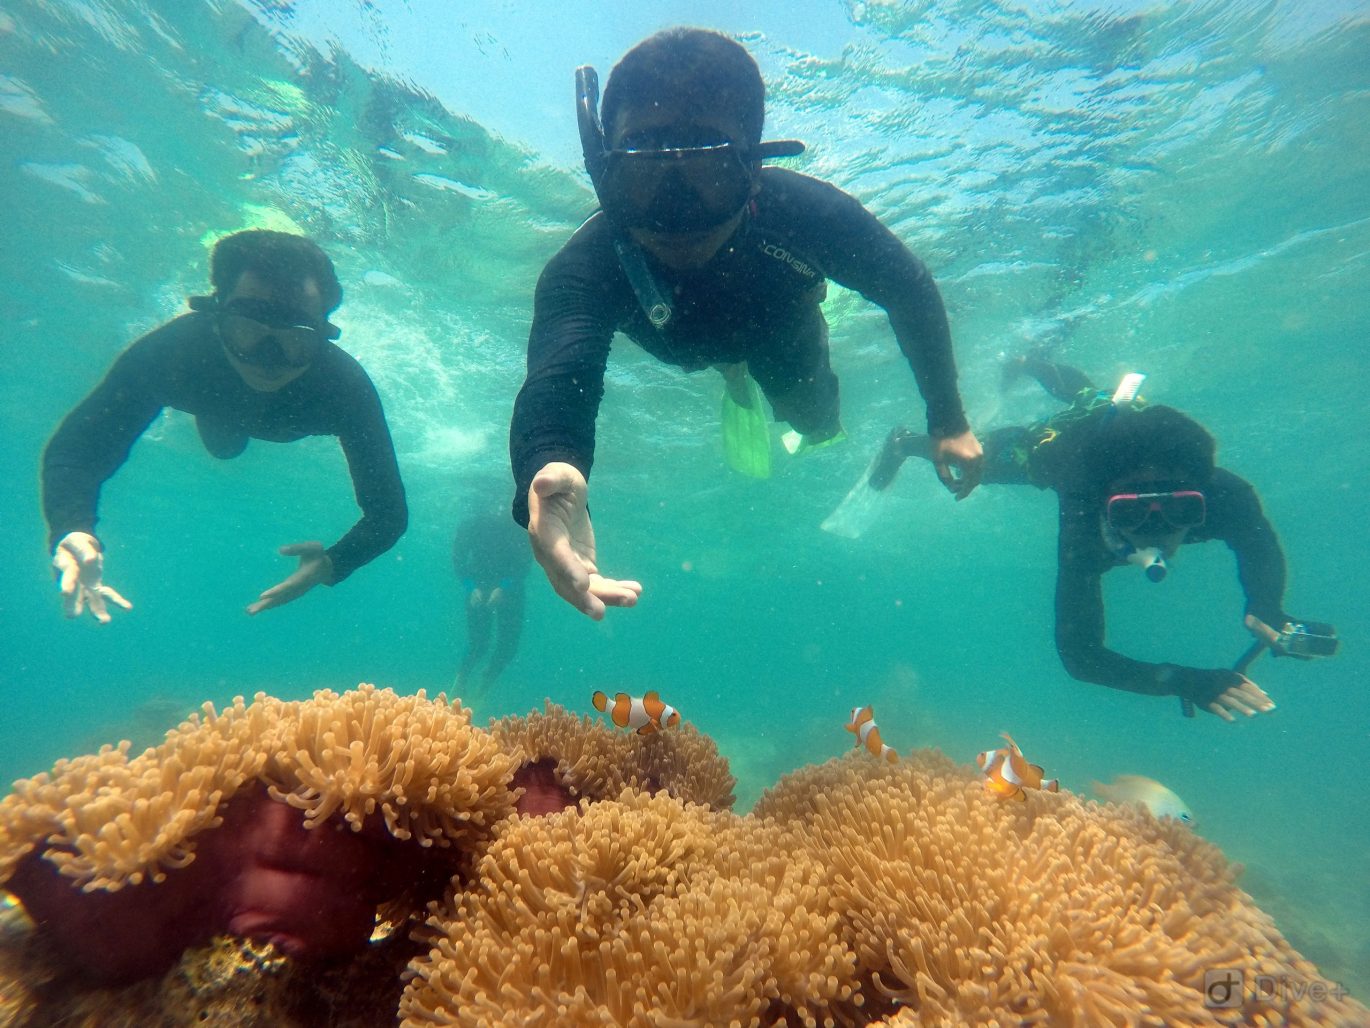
point(203, 303)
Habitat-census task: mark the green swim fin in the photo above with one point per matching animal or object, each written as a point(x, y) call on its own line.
point(798, 444)
point(747, 433)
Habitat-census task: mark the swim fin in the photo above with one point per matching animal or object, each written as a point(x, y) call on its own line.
point(860, 508)
point(862, 505)
point(746, 432)
point(797, 444)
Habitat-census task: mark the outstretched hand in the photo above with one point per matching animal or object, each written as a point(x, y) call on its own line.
point(563, 542)
point(80, 566)
point(316, 568)
point(959, 461)
point(1245, 697)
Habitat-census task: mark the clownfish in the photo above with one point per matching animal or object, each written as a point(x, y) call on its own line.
point(868, 733)
point(1008, 774)
point(643, 714)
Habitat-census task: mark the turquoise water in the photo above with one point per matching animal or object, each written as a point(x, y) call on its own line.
point(1182, 192)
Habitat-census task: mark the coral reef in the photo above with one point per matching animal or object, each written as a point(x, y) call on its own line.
point(566, 757)
point(286, 821)
point(856, 892)
point(228, 983)
point(635, 911)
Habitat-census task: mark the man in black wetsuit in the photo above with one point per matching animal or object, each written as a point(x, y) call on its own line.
point(1134, 483)
point(703, 257)
point(491, 560)
point(253, 360)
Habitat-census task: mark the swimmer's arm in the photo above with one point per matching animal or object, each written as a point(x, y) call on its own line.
point(376, 483)
point(94, 440)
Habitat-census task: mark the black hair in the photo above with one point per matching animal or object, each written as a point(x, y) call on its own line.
point(1155, 438)
point(689, 68)
point(279, 258)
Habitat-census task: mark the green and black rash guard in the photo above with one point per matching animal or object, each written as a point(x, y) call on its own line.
point(747, 303)
point(1233, 515)
point(182, 365)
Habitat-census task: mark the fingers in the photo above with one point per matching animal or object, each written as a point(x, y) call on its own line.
point(108, 593)
point(280, 594)
point(616, 592)
point(97, 606)
point(575, 593)
point(1260, 629)
point(273, 597)
point(572, 584)
point(960, 479)
point(1254, 696)
point(96, 598)
point(1245, 698)
point(72, 601)
point(301, 549)
point(945, 475)
point(1216, 708)
point(971, 473)
point(960, 463)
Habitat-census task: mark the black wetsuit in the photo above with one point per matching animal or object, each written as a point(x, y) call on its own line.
point(488, 554)
point(1020, 456)
point(182, 365)
point(757, 301)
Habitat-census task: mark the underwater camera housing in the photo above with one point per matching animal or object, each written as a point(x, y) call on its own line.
point(1308, 639)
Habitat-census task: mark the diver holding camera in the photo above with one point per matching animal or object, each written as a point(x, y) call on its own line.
point(1134, 483)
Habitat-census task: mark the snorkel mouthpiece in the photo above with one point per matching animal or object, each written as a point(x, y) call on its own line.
point(1151, 560)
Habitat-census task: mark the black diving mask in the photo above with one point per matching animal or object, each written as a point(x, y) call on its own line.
point(658, 184)
point(267, 335)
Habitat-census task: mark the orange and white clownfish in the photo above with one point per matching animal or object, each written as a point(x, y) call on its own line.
point(1007, 772)
point(643, 714)
point(868, 733)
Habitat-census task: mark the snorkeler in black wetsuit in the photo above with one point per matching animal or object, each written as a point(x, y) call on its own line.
point(704, 258)
point(491, 559)
point(1134, 483)
point(253, 360)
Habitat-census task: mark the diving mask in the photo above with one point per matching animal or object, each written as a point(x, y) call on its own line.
point(1133, 512)
point(265, 334)
point(672, 183)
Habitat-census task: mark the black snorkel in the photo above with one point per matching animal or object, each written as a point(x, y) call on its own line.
point(650, 296)
point(592, 142)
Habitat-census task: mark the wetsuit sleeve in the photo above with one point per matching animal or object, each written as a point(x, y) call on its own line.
point(1080, 629)
point(857, 251)
point(376, 483)
point(1235, 517)
point(94, 440)
point(568, 348)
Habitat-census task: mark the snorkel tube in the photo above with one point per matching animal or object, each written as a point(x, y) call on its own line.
point(592, 142)
point(650, 297)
